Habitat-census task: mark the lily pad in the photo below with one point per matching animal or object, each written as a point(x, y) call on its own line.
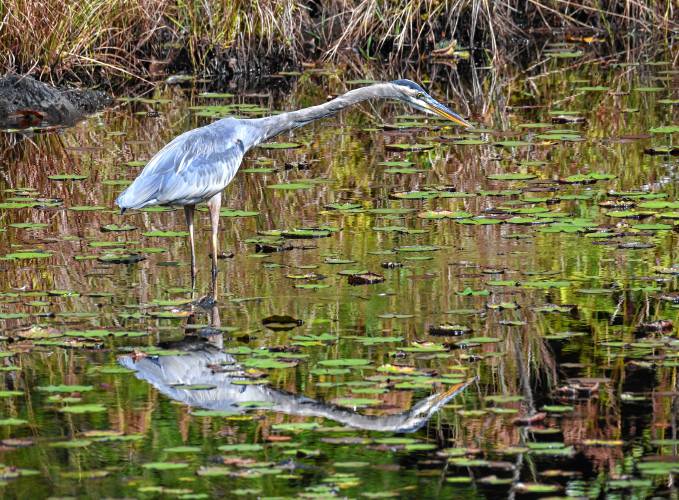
point(350, 362)
point(66, 177)
point(85, 408)
point(516, 176)
point(291, 186)
point(280, 145)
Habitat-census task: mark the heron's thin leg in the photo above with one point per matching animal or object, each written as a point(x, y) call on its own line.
point(188, 213)
point(215, 339)
point(214, 204)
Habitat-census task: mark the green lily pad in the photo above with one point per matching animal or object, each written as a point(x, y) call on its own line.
point(354, 362)
point(65, 388)
point(28, 255)
point(225, 212)
point(516, 176)
point(512, 144)
point(85, 408)
point(666, 129)
point(12, 422)
point(165, 466)
point(28, 225)
point(416, 248)
point(87, 208)
point(280, 145)
point(66, 177)
point(444, 214)
point(291, 186)
point(409, 147)
point(356, 402)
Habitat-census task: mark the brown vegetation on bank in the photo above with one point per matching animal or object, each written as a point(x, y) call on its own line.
point(96, 40)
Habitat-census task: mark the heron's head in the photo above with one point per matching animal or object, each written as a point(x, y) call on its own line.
point(417, 97)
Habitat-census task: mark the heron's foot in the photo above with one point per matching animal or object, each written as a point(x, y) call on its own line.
point(193, 279)
point(208, 332)
point(207, 302)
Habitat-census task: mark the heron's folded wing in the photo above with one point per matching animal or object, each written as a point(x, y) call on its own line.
point(191, 168)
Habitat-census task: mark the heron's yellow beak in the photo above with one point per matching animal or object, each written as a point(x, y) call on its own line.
point(452, 391)
point(441, 110)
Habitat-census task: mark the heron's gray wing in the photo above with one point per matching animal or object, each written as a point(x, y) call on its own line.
point(191, 168)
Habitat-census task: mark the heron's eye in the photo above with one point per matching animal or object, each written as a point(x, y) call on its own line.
point(420, 95)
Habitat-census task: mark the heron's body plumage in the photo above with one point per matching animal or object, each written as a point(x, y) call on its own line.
point(191, 169)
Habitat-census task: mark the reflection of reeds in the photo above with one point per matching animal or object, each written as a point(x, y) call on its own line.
point(100, 39)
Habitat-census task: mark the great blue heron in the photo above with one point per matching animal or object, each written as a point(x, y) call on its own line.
point(204, 362)
point(197, 165)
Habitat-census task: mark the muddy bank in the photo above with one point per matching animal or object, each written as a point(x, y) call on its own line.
point(25, 102)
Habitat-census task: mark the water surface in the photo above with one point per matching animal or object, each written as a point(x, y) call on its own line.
point(521, 342)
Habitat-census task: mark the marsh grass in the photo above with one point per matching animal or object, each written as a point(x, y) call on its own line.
point(95, 40)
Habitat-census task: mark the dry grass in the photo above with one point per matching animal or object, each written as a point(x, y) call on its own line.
point(95, 40)
point(92, 39)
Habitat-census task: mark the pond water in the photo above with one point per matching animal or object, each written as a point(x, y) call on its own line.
point(517, 336)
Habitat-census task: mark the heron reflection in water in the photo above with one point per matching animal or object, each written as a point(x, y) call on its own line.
point(203, 362)
point(197, 165)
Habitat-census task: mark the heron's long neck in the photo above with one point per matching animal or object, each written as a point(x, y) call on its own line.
point(271, 126)
point(401, 422)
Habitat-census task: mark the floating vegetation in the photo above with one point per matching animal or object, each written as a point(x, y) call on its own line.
point(409, 147)
point(280, 145)
point(291, 186)
point(66, 177)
